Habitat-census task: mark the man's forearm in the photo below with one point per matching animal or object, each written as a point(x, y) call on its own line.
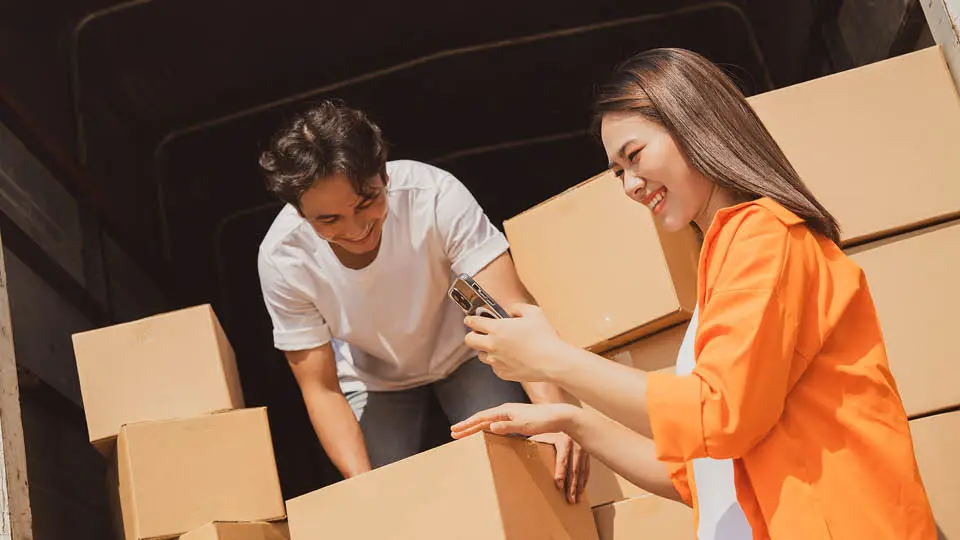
point(544, 392)
point(623, 450)
point(339, 432)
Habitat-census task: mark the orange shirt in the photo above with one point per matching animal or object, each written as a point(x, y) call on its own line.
point(792, 383)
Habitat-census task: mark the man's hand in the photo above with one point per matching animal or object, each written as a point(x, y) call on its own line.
point(573, 465)
point(544, 423)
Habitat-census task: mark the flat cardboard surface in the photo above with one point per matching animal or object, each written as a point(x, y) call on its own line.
point(913, 280)
point(174, 365)
point(651, 353)
point(240, 531)
point(599, 290)
point(645, 517)
point(484, 487)
point(860, 137)
point(177, 475)
point(936, 441)
point(606, 486)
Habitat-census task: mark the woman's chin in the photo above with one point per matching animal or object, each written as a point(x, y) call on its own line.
point(671, 224)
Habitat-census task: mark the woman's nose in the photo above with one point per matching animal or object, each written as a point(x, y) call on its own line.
point(632, 183)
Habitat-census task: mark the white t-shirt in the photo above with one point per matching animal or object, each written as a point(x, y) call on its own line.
point(391, 324)
point(720, 514)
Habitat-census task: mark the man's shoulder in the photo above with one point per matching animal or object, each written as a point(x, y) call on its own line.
point(410, 175)
point(285, 231)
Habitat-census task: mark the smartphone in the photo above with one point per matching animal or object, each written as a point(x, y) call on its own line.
point(473, 300)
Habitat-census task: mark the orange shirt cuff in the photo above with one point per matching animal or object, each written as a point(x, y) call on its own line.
point(673, 404)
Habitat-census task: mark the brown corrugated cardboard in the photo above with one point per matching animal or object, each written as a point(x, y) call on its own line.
point(645, 517)
point(860, 137)
point(913, 280)
point(606, 486)
point(240, 531)
point(600, 268)
point(484, 487)
point(174, 365)
point(174, 476)
point(654, 353)
point(936, 440)
point(651, 353)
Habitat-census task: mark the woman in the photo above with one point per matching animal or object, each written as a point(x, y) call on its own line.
point(789, 424)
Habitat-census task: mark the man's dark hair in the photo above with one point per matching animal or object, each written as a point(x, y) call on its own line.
point(325, 140)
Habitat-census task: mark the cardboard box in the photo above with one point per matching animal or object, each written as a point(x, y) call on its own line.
point(603, 272)
point(605, 486)
point(174, 365)
point(174, 476)
point(240, 531)
point(936, 441)
point(645, 517)
point(654, 353)
point(861, 137)
point(913, 280)
point(484, 487)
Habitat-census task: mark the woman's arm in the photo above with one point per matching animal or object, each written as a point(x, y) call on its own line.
point(746, 349)
point(624, 451)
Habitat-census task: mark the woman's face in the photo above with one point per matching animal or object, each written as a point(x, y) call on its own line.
point(653, 170)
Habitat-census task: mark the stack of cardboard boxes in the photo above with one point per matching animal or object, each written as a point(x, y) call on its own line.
point(163, 403)
point(877, 145)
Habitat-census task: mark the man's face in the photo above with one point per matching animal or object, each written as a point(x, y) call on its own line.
point(342, 217)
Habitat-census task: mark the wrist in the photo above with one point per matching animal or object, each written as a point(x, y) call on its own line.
point(560, 359)
point(573, 421)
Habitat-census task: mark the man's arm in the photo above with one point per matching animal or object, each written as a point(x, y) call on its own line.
point(332, 418)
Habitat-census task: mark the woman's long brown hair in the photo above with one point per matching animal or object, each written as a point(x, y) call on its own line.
point(717, 130)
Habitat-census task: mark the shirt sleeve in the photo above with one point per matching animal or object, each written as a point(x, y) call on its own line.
point(297, 323)
point(469, 238)
point(745, 350)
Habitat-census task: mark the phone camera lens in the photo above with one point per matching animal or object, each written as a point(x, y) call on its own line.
point(460, 299)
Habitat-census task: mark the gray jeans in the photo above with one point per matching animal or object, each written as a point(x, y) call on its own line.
point(395, 425)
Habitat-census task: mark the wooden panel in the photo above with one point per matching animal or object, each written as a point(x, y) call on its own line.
point(15, 516)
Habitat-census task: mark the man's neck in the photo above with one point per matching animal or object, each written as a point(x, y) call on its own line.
point(355, 261)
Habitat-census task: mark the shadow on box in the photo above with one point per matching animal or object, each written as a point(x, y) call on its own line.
point(302, 464)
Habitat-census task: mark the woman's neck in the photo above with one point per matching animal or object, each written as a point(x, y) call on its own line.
point(719, 198)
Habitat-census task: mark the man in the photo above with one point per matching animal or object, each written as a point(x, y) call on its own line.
point(354, 273)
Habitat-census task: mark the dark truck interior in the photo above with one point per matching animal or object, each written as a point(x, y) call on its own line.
point(152, 114)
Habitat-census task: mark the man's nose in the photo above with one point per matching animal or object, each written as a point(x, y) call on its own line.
point(355, 227)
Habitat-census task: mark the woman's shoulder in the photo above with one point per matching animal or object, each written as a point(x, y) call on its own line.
point(758, 222)
point(755, 239)
point(763, 214)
